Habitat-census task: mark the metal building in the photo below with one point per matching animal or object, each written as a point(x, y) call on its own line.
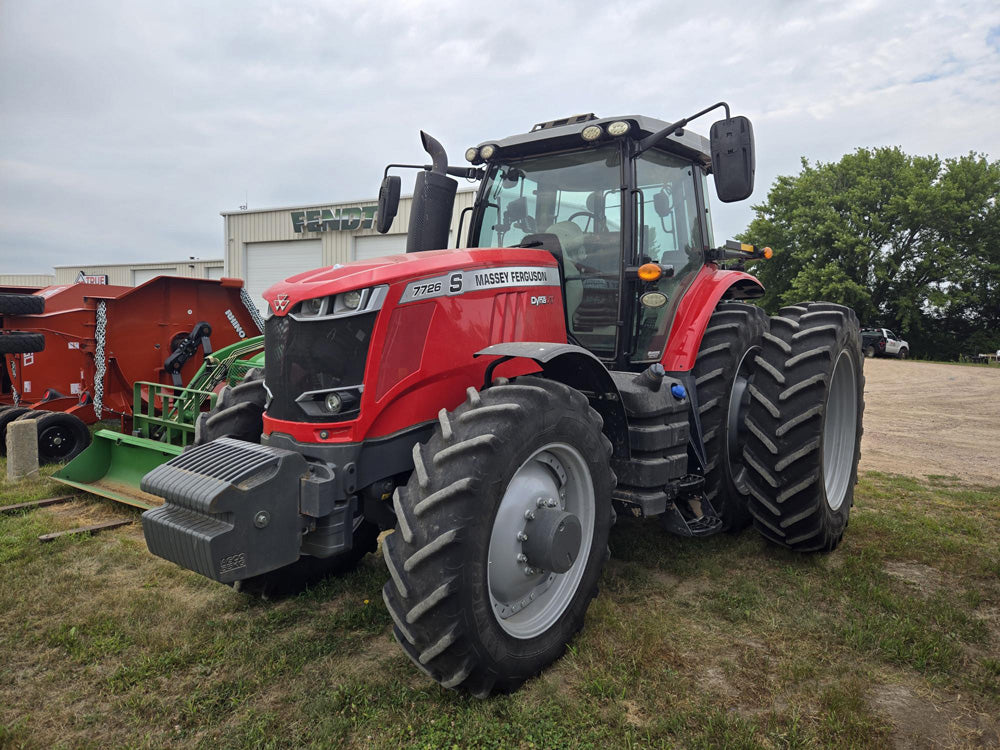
point(264, 246)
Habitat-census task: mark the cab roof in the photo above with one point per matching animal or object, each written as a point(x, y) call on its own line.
point(547, 137)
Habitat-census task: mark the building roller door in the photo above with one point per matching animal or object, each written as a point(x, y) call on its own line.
point(270, 262)
point(376, 245)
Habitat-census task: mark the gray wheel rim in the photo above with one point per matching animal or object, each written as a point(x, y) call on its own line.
point(840, 431)
point(526, 602)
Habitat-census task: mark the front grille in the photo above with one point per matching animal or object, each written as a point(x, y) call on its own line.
point(316, 355)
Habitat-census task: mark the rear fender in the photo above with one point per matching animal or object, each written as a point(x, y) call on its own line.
point(578, 368)
point(696, 307)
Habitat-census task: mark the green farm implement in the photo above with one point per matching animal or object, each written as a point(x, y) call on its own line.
point(163, 424)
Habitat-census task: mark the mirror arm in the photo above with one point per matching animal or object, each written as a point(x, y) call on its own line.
point(651, 140)
point(470, 173)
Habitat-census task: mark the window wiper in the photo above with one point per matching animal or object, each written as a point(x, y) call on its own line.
point(533, 243)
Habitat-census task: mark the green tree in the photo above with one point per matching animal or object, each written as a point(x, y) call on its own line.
point(910, 242)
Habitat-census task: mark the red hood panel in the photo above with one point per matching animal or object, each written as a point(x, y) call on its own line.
point(392, 268)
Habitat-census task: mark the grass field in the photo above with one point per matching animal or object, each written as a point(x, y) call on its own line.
point(894, 638)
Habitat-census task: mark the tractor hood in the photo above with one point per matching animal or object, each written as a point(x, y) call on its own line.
point(390, 269)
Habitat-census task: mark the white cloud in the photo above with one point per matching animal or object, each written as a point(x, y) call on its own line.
point(136, 123)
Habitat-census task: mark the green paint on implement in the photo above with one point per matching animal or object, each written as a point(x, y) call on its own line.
point(163, 419)
point(114, 464)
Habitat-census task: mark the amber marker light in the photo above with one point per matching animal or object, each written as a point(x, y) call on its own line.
point(650, 271)
point(768, 252)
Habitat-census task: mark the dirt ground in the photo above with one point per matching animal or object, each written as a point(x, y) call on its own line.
point(926, 418)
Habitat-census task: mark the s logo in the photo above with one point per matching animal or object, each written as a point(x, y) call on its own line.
point(455, 283)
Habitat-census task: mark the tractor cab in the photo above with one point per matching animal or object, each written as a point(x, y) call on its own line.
point(605, 196)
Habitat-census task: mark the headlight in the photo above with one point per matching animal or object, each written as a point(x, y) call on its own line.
point(351, 300)
point(333, 402)
point(618, 127)
point(471, 154)
point(487, 151)
point(592, 133)
point(312, 306)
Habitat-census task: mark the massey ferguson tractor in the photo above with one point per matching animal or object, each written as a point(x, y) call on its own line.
point(591, 350)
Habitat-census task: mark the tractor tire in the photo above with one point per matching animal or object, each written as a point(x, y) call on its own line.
point(804, 426)
point(478, 604)
point(61, 437)
point(21, 304)
point(724, 368)
point(19, 342)
point(239, 414)
point(869, 351)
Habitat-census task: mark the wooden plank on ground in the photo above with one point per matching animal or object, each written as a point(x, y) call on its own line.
point(87, 529)
point(37, 504)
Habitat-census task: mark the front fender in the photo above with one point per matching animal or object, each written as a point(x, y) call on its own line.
point(709, 287)
point(577, 368)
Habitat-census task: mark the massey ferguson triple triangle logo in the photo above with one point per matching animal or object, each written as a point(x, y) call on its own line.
point(281, 302)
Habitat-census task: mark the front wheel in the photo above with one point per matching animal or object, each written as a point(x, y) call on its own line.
point(904, 353)
point(502, 534)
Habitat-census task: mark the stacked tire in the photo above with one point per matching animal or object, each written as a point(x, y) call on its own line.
point(21, 342)
point(804, 424)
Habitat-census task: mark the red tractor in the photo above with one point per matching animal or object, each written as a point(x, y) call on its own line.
point(590, 350)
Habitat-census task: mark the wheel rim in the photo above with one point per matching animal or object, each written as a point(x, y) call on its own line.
point(739, 400)
point(56, 442)
point(528, 603)
point(840, 431)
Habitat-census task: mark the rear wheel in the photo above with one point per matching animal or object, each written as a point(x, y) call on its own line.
point(804, 426)
point(61, 437)
point(869, 351)
point(724, 369)
point(239, 414)
point(502, 534)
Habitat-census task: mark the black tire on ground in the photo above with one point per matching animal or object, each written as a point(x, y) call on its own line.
point(723, 369)
point(239, 414)
point(6, 418)
point(455, 549)
point(804, 426)
point(21, 342)
point(869, 351)
point(903, 353)
point(61, 437)
point(21, 304)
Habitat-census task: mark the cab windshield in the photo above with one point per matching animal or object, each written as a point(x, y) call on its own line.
point(575, 199)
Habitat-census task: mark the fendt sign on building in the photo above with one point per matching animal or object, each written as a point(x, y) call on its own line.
point(334, 219)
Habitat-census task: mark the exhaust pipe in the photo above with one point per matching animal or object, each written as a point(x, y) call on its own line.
point(433, 202)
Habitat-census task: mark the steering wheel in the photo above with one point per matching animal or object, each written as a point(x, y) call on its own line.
point(590, 215)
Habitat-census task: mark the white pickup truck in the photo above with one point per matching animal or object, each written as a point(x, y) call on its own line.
point(881, 342)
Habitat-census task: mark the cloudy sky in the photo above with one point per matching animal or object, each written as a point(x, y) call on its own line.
point(125, 127)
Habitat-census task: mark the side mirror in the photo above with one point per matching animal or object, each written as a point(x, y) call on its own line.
point(517, 210)
point(388, 203)
point(733, 162)
point(661, 203)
